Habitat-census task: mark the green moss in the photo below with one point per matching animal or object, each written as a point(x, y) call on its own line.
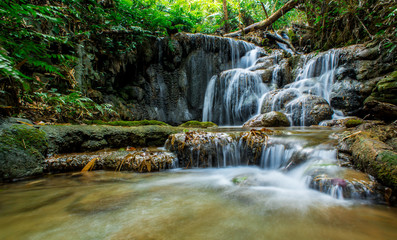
point(198, 124)
point(24, 137)
point(239, 180)
point(387, 168)
point(127, 123)
point(22, 150)
point(385, 90)
point(353, 122)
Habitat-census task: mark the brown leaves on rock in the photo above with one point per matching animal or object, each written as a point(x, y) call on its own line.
point(90, 165)
point(142, 161)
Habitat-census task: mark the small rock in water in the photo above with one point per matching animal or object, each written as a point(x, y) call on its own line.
point(339, 182)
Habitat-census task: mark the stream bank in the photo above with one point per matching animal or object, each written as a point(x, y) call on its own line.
point(24, 146)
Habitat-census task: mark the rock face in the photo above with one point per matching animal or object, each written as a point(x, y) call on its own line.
point(276, 100)
point(381, 110)
point(166, 79)
point(66, 139)
point(136, 160)
point(385, 90)
point(23, 147)
point(270, 119)
point(207, 149)
point(22, 150)
point(309, 110)
point(347, 184)
point(369, 150)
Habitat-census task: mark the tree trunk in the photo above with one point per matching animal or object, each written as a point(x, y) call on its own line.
point(265, 23)
point(225, 15)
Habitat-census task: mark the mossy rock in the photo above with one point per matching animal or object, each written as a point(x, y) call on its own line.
point(22, 151)
point(270, 119)
point(127, 123)
point(376, 158)
point(385, 90)
point(198, 124)
point(81, 138)
point(353, 123)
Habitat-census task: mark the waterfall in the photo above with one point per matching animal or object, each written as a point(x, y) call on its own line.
point(310, 90)
point(181, 70)
point(318, 75)
point(233, 96)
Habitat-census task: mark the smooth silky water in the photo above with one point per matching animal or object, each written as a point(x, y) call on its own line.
point(214, 203)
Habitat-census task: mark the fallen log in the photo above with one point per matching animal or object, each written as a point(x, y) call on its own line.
point(265, 23)
point(279, 39)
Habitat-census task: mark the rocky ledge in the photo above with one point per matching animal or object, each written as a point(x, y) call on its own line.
point(372, 148)
point(25, 146)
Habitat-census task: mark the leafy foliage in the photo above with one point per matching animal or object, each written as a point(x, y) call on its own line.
point(338, 23)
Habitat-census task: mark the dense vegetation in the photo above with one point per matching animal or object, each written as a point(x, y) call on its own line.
point(39, 41)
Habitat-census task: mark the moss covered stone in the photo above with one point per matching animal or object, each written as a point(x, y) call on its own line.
point(270, 119)
point(80, 138)
point(385, 90)
point(22, 151)
point(387, 168)
point(353, 122)
point(198, 124)
point(127, 123)
point(372, 155)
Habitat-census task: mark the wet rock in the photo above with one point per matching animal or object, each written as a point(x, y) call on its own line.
point(197, 124)
point(265, 74)
point(345, 122)
point(386, 90)
point(370, 152)
point(270, 119)
point(136, 160)
point(346, 95)
point(22, 150)
point(263, 63)
point(381, 110)
point(276, 100)
point(345, 72)
point(80, 138)
point(209, 149)
point(309, 110)
point(93, 145)
point(297, 158)
point(368, 54)
point(203, 149)
point(347, 184)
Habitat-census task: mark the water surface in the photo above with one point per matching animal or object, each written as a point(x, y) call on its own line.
point(185, 204)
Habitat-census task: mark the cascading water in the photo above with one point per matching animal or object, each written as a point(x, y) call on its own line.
point(310, 162)
point(318, 75)
point(234, 95)
point(178, 77)
point(310, 90)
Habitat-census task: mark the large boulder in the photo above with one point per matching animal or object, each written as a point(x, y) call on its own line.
point(270, 119)
point(137, 160)
point(386, 90)
point(381, 110)
point(22, 150)
point(81, 138)
point(346, 95)
point(276, 100)
point(308, 110)
point(370, 151)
